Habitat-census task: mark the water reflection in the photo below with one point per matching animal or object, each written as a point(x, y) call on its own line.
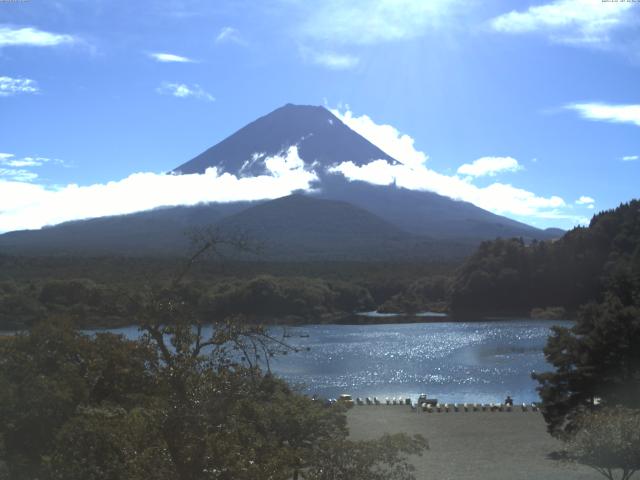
point(454, 362)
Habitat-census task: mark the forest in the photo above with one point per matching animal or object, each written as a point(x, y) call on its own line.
point(510, 277)
point(107, 291)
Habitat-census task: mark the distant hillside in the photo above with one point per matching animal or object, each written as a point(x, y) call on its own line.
point(155, 232)
point(296, 227)
point(427, 213)
point(299, 226)
point(507, 276)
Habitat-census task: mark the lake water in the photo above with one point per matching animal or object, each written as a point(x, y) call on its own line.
point(453, 362)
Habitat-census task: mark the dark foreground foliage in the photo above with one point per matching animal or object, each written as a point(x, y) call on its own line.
point(511, 277)
point(597, 364)
point(75, 407)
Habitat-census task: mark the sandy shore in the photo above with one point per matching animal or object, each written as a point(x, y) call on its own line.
point(473, 445)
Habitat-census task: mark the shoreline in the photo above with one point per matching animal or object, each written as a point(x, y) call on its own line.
point(349, 319)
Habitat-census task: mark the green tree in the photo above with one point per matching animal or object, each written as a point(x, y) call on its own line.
point(608, 441)
point(597, 361)
point(383, 459)
point(51, 371)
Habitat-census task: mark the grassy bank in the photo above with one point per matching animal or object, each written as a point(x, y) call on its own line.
point(466, 446)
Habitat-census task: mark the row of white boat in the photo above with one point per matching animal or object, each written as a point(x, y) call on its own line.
point(433, 407)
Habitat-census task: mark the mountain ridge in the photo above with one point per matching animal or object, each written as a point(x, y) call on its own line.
point(305, 125)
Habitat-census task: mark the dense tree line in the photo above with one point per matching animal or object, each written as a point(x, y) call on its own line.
point(508, 276)
point(263, 298)
point(48, 287)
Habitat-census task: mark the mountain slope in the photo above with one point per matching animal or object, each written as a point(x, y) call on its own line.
point(159, 231)
point(321, 137)
point(427, 213)
point(296, 227)
point(303, 227)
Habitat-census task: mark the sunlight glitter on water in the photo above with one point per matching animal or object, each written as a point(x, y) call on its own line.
point(455, 362)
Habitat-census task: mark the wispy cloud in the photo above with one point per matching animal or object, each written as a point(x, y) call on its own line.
point(170, 58)
point(15, 169)
point(229, 35)
point(17, 175)
point(29, 205)
point(366, 22)
point(329, 59)
point(24, 162)
point(630, 158)
point(414, 174)
point(608, 113)
point(29, 36)
point(489, 166)
point(182, 90)
point(14, 86)
point(584, 200)
point(9, 159)
point(580, 22)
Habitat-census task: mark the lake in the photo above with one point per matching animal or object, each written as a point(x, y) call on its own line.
point(453, 362)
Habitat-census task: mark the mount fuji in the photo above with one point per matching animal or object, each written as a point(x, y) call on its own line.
point(335, 219)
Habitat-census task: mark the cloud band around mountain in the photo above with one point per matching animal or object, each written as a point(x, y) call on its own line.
point(27, 205)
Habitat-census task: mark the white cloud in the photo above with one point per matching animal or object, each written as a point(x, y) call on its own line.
point(25, 162)
point(15, 169)
point(413, 174)
point(13, 86)
point(331, 60)
point(608, 113)
point(490, 166)
point(28, 205)
point(582, 22)
point(584, 200)
point(170, 57)
point(33, 37)
point(365, 22)
point(498, 197)
point(10, 160)
point(229, 35)
point(17, 175)
point(630, 158)
point(386, 137)
point(181, 90)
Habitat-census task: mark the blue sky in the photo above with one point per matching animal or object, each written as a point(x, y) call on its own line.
point(529, 109)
